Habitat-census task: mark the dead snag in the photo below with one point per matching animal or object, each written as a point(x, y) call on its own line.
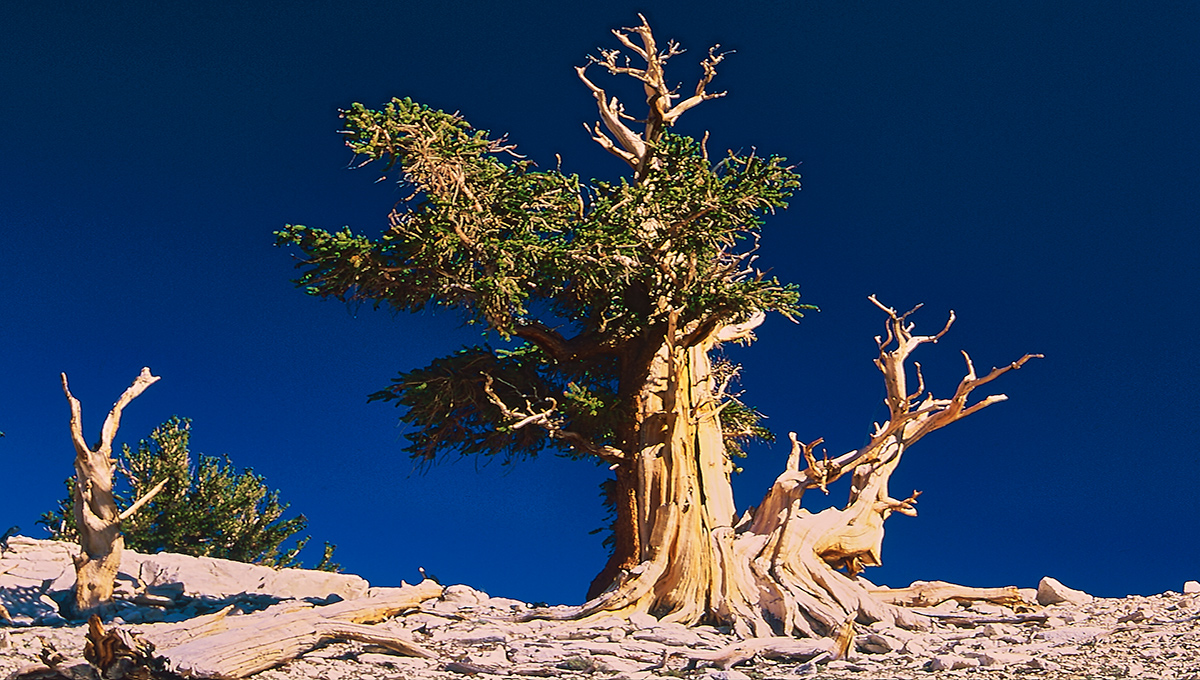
point(96, 515)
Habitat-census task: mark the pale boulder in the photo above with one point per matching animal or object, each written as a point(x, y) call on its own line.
point(1071, 635)
point(999, 658)
point(1191, 587)
point(1051, 591)
point(463, 595)
point(49, 565)
point(642, 620)
point(951, 662)
point(30, 570)
point(38, 560)
point(874, 643)
point(209, 577)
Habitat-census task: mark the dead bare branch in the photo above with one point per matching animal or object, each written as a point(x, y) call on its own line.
point(137, 505)
point(547, 420)
point(631, 147)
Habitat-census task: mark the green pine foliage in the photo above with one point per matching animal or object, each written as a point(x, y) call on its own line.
point(576, 283)
point(581, 282)
point(212, 509)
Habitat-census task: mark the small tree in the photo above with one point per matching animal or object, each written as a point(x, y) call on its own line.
point(211, 509)
point(616, 295)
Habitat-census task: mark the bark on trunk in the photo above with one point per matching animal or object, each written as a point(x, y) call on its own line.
point(96, 515)
point(626, 552)
point(781, 570)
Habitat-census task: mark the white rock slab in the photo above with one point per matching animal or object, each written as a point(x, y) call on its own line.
point(999, 658)
point(463, 595)
point(951, 662)
point(607, 663)
point(44, 560)
point(874, 643)
point(642, 620)
point(669, 634)
point(210, 577)
point(1051, 591)
point(1071, 635)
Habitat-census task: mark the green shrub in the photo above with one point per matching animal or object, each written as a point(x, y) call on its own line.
point(210, 510)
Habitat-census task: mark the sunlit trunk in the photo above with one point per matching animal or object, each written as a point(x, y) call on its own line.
point(780, 570)
point(96, 513)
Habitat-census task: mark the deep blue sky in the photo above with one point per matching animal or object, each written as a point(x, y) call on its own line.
point(1031, 165)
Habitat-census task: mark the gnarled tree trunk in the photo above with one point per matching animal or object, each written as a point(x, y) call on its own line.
point(96, 513)
point(679, 551)
point(780, 570)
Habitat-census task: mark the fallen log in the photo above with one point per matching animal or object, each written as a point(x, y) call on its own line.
point(972, 620)
point(767, 647)
point(932, 593)
point(228, 647)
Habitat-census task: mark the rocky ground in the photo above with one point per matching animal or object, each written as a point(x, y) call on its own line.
point(473, 634)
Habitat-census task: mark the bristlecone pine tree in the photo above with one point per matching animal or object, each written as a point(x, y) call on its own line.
point(614, 294)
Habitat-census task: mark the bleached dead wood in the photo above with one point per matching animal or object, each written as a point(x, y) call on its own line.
point(266, 639)
point(96, 516)
point(767, 647)
point(632, 147)
point(222, 645)
point(972, 620)
point(780, 570)
point(930, 593)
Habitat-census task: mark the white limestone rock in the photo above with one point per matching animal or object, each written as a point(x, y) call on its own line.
point(401, 663)
point(27, 602)
point(892, 631)
point(209, 577)
point(1069, 635)
point(951, 662)
point(38, 560)
point(428, 622)
point(999, 658)
point(670, 634)
point(608, 663)
point(848, 665)
point(594, 647)
point(640, 620)
point(1043, 664)
point(1051, 591)
point(1191, 587)
point(989, 609)
point(505, 604)
point(529, 652)
point(495, 657)
point(916, 647)
point(874, 643)
point(645, 649)
point(999, 630)
point(463, 595)
point(945, 607)
point(483, 635)
point(606, 623)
